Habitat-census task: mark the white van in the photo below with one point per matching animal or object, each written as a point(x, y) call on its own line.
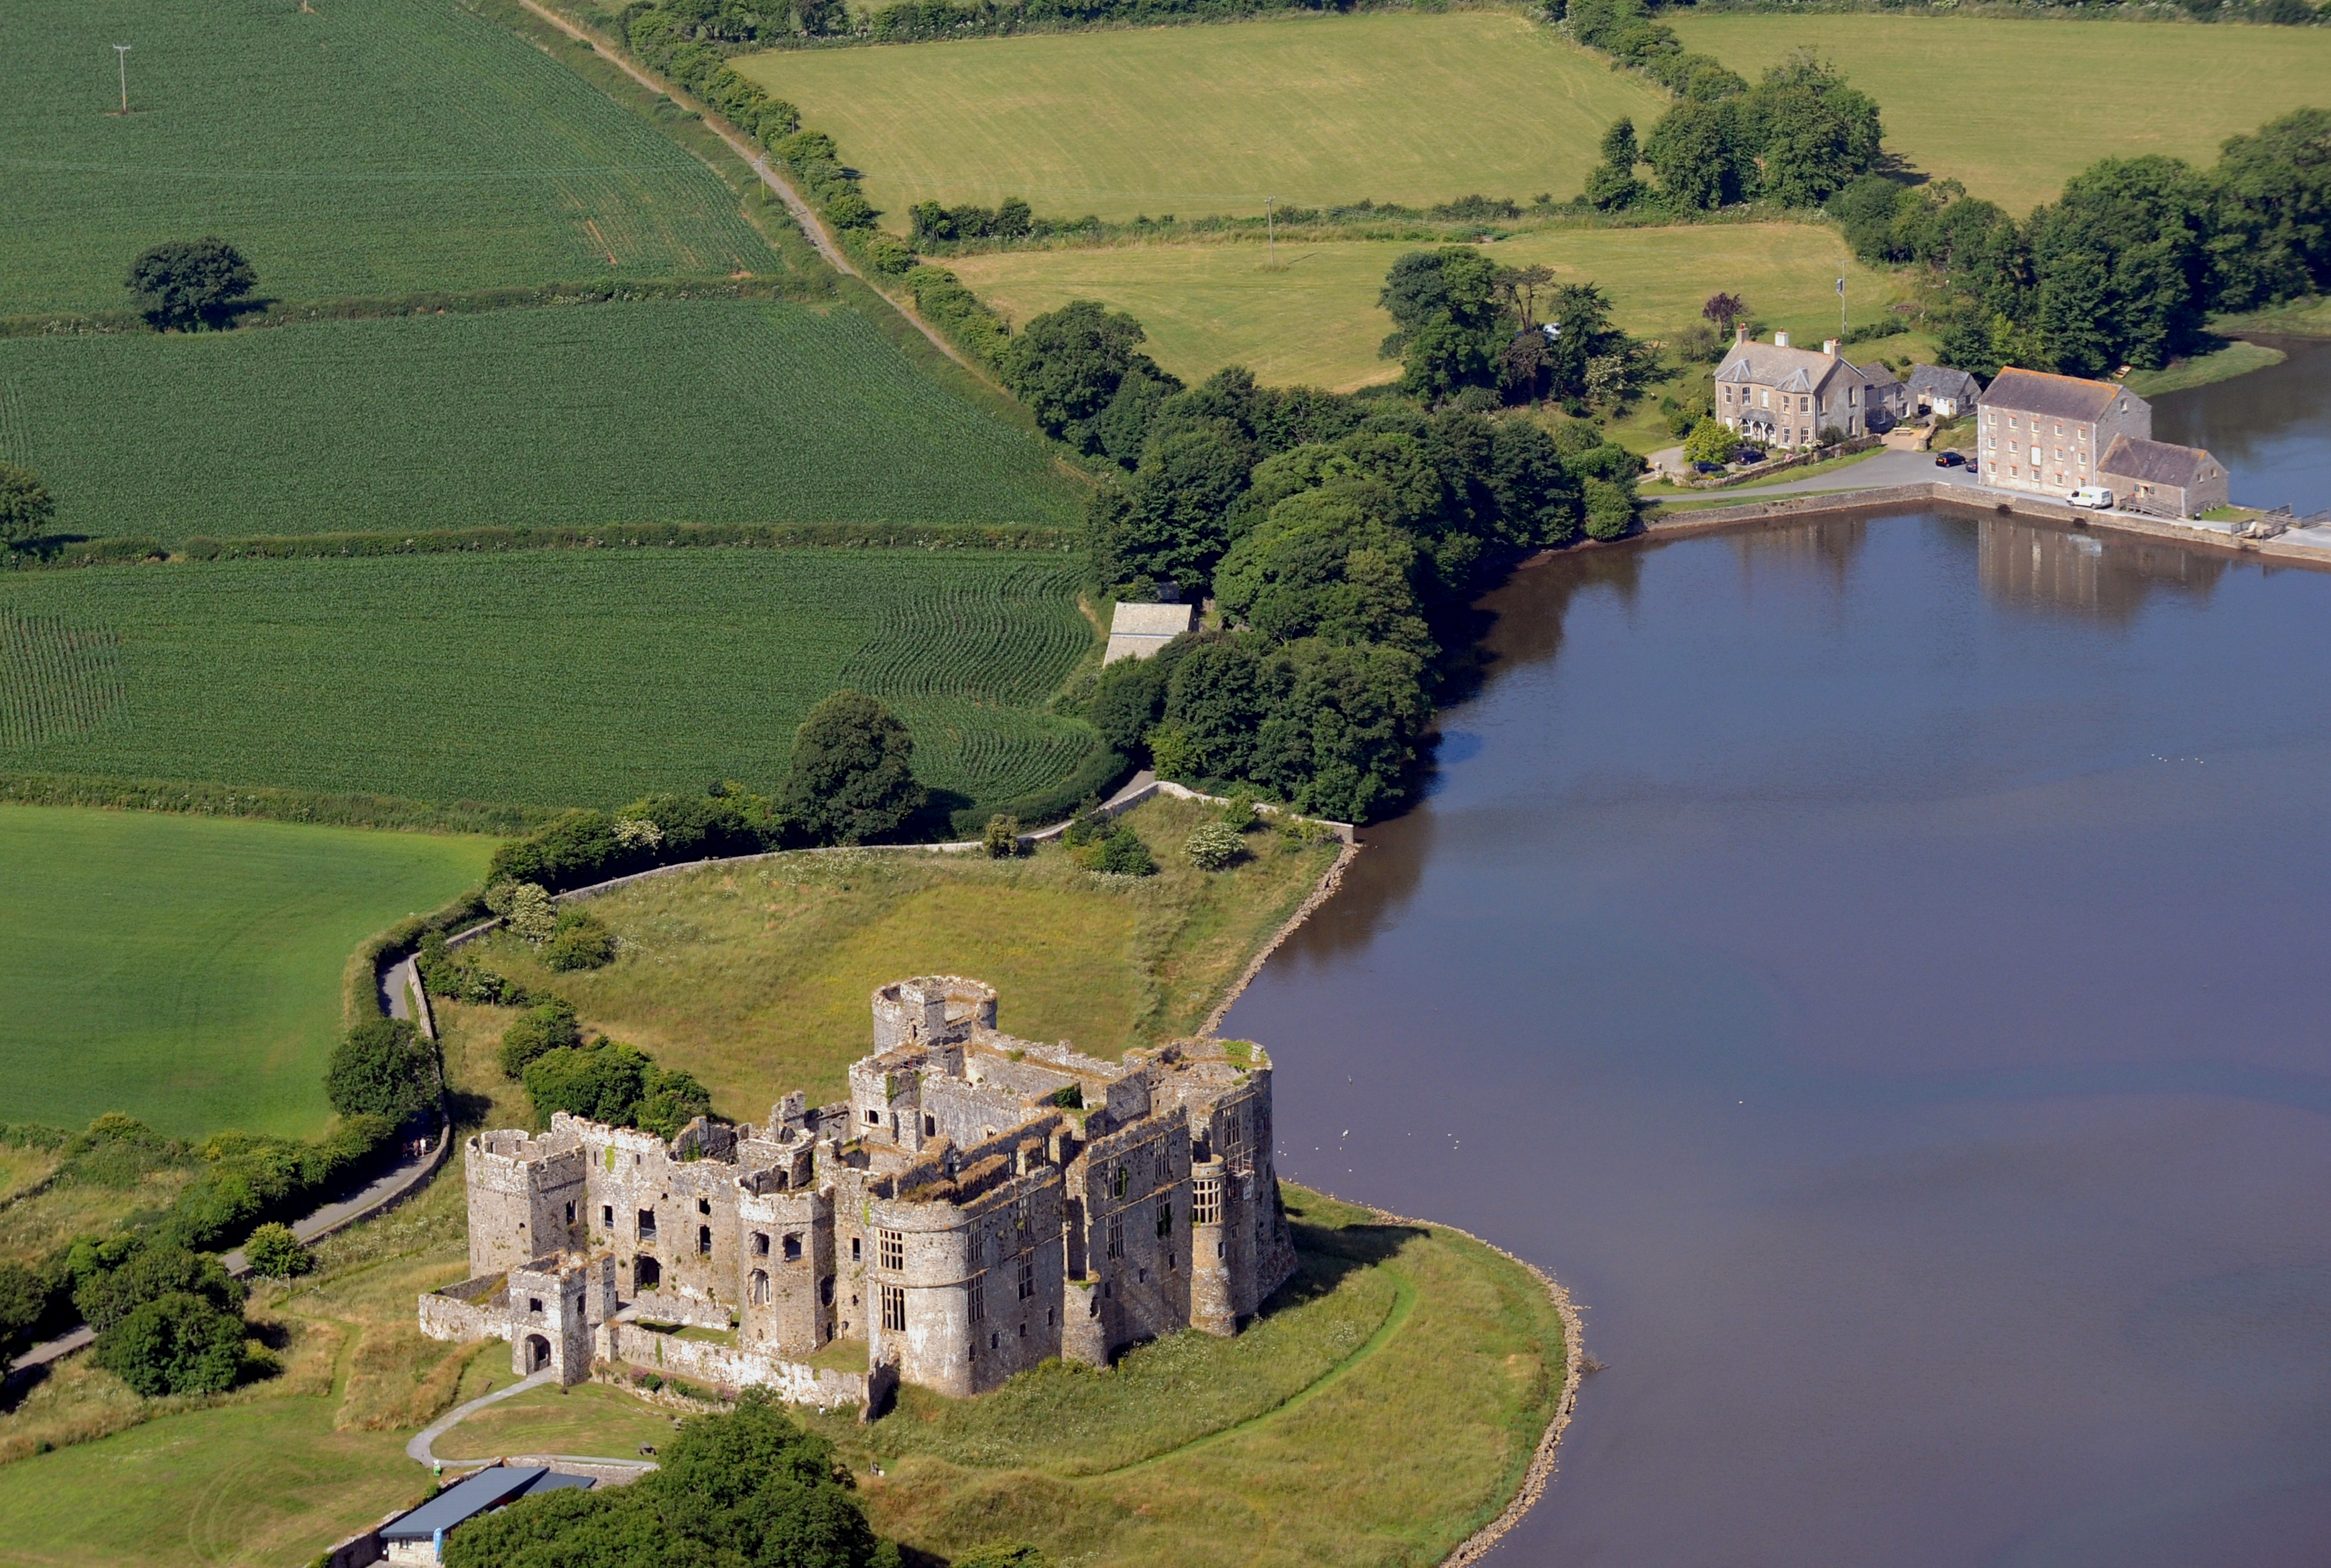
point(2092, 496)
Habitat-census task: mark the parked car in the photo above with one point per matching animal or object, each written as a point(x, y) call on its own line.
point(2095, 496)
point(1708, 467)
point(1749, 454)
point(1949, 459)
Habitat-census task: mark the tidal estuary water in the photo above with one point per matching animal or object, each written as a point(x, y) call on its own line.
point(1884, 969)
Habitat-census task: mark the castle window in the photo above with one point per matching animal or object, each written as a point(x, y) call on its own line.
point(1207, 1195)
point(1117, 1238)
point(1024, 1331)
point(760, 1287)
point(704, 1240)
point(1027, 1275)
point(570, 1213)
point(894, 1309)
point(857, 1244)
point(873, 1117)
point(760, 1244)
point(978, 1297)
point(704, 1205)
point(930, 1127)
point(648, 1272)
point(825, 1291)
point(793, 1246)
point(1166, 1215)
point(647, 1225)
point(1234, 1132)
point(1118, 1181)
point(894, 1249)
point(534, 1304)
point(607, 1216)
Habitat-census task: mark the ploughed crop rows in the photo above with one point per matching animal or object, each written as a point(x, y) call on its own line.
point(55, 678)
point(702, 411)
point(362, 147)
point(550, 678)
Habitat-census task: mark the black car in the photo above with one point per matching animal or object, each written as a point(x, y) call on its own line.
point(1948, 460)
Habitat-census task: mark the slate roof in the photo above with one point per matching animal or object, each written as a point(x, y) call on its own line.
point(1941, 381)
point(464, 1500)
point(1790, 369)
point(1137, 630)
point(2156, 463)
point(2054, 396)
point(1878, 375)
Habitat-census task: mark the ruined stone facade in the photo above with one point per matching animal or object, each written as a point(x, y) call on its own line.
point(977, 1205)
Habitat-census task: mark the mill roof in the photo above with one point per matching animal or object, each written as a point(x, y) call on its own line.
point(2054, 397)
point(490, 1488)
point(1790, 369)
point(2156, 463)
point(1941, 381)
point(1137, 630)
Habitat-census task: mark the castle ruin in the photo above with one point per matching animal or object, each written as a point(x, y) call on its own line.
point(979, 1205)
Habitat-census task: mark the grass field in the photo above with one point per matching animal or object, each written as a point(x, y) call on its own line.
point(185, 969)
point(1317, 322)
point(359, 147)
point(699, 411)
point(546, 676)
point(2013, 108)
point(755, 978)
point(1194, 121)
point(588, 1419)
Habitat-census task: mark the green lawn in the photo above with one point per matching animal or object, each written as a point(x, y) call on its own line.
point(1316, 320)
point(588, 1419)
point(697, 410)
point(754, 978)
point(356, 148)
point(2015, 108)
point(187, 969)
point(1192, 121)
point(541, 677)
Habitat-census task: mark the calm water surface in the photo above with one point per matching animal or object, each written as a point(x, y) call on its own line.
point(1884, 969)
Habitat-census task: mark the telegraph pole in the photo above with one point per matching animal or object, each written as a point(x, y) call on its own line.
point(122, 54)
point(1270, 237)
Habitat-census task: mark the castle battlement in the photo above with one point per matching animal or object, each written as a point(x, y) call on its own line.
point(979, 1204)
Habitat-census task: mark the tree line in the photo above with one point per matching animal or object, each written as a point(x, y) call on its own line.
point(2127, 266)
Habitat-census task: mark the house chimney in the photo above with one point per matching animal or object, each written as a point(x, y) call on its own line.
point(1780, 340)
point(1829, 346)
point(1739, 334)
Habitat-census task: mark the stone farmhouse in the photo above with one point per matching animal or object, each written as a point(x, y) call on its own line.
point(2048, 433)
point(1779, 395)
point(2166, 480)
point(977, 1205)
point(1939, 390)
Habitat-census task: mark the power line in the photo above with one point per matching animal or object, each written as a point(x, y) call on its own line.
point(122, 54)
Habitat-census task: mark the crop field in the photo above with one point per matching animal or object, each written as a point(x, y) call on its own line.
point(2013, 108)
point(1194, 120)
point(716, 412)
point(358, 148)
point(545, 676)
point(187, 970)
point(1315, 321)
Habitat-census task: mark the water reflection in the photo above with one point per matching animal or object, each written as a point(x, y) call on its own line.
point(2107, 578)
point(2269, 428)
point(1824, 550)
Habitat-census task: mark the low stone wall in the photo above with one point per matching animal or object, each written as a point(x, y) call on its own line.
point(466, 1311)
point(727, 1366)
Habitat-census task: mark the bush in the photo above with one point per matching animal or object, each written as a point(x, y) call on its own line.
point(1609, 511)
point(1003, 1554)
point(542, 1029)
point(1711, 442)
point(115, 1277)
point(525, 909)
point(1214, 845)
point(1001, 839)
point(1117, 852)
point(1238, 813)
point(578, 940)
point(384, 1068)
point(273, 1253)
point(26, 508)
point(24, 1302)
point(851, 778)
point(608, 1081)
point(175, 1344)
point(189, 283)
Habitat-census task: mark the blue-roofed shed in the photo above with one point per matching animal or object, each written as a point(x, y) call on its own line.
point(489, 1489)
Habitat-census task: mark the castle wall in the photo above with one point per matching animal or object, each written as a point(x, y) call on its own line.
point(526, 1198)
point(978, 1283)
point(723, 1367)
point(550, 1316)
point(789, 1290)
point(1133, 1200)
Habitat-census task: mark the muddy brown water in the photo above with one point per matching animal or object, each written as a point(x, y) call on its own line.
point(1884, 969)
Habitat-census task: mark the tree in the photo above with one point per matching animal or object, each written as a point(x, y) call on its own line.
point(1067, 366)
point(1610, 510)
point(550, 1027)
point(26, 508)
point(1001, 839)
point(851, 778)
point(1697, 153)
point(2123, 264)
point(1711, 441)
point(1811, 134)
point(1325, 563)
point(578, 940)
point(1724, 309)
point(24, 1302)
point(114, 1279)
point(1611, 185)
point(189, 283)
point(609, 1081)
point(1619, 149)
point(384, 1068)
point(175, 1344)
point(274, 1252)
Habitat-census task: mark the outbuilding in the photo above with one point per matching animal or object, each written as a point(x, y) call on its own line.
point(419, 1537)
point(2162, 478)
point(1939, 390)
point(1139, 630)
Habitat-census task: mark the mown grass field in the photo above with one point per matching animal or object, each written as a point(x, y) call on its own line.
point(679, 410)
point(1315, 321)
point(187, 969)
point(1194, 120)
point(755, 977)
point(2013, 108)
point(361, 148)
point(546, 676)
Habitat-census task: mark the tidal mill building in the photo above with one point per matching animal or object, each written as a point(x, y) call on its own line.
point(977, 1205)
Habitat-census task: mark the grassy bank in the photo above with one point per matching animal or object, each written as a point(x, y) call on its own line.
point(546, 677)
point(755, 977)
point(187, 970)
point(1313, 318)
point(2014, 108)
point(2220, 364)
point(1191, 120)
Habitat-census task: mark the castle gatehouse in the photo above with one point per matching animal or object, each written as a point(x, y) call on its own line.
point(977, 1205)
